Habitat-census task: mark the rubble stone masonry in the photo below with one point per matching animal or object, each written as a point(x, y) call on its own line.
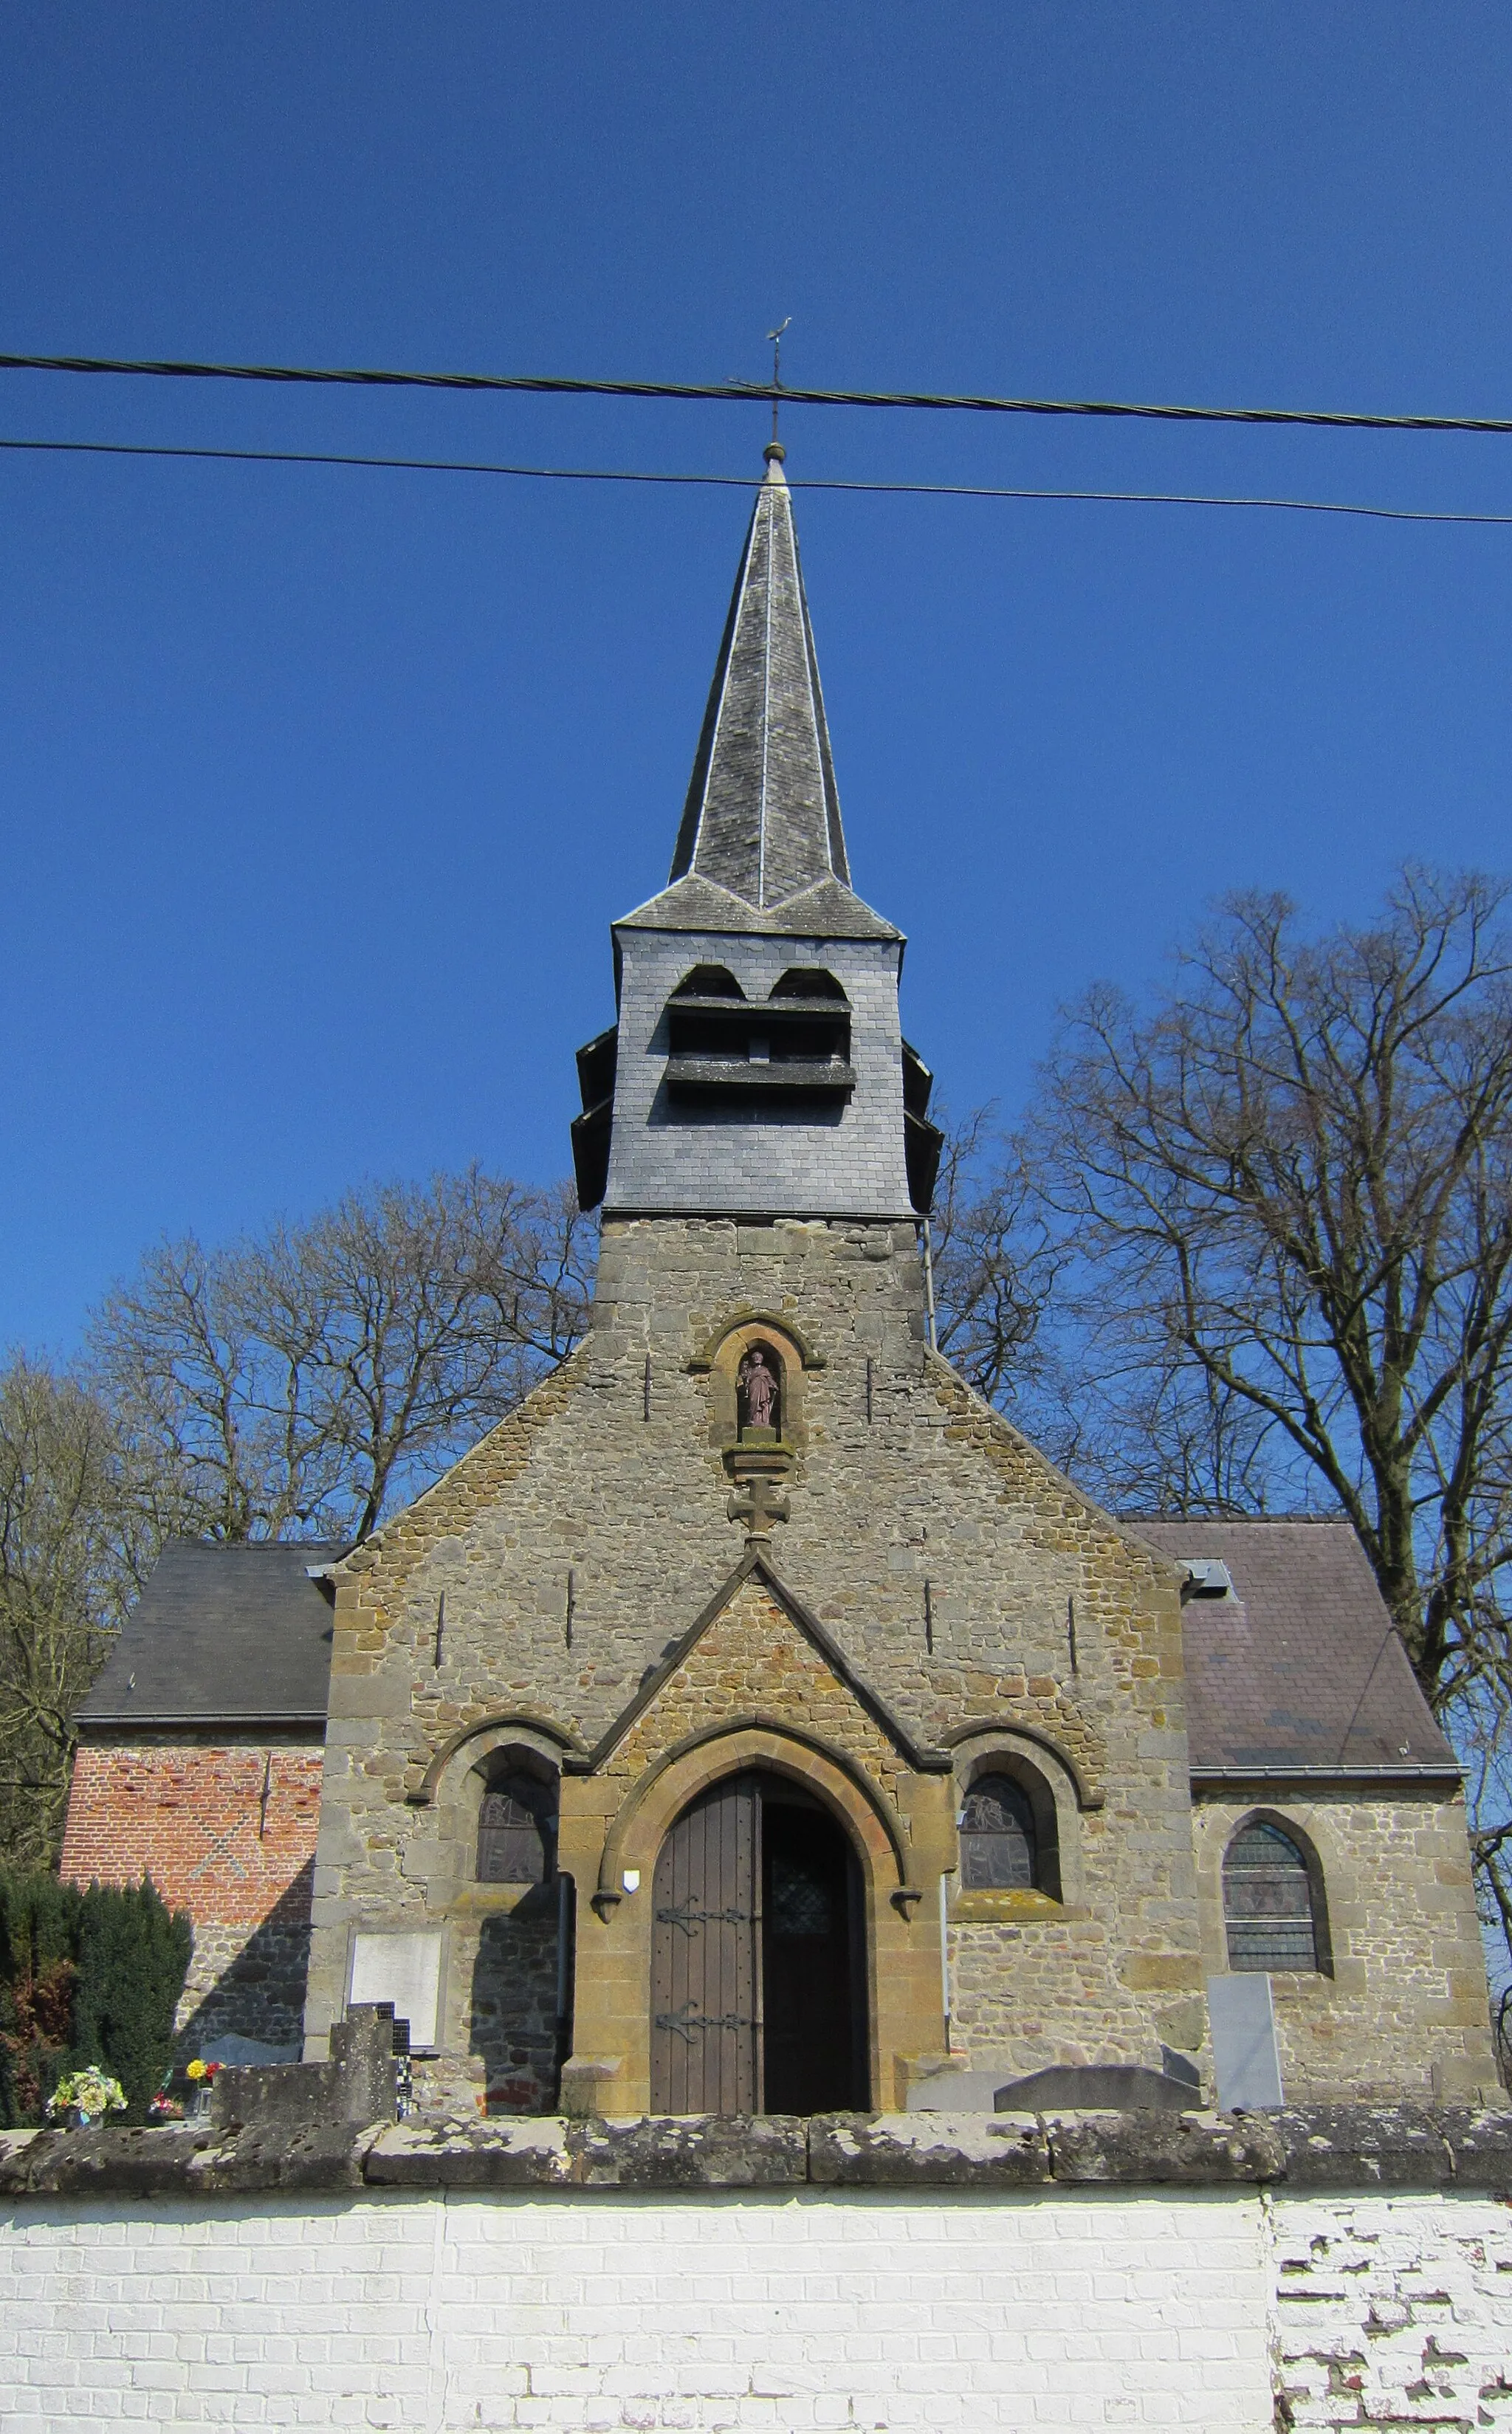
point(966, 1583)
point(1400, 2007)
point(528, 1599)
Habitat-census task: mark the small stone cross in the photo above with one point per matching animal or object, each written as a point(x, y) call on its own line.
point(758, 1507)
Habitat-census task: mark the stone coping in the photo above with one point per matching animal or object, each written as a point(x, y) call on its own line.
point(1357, 2147)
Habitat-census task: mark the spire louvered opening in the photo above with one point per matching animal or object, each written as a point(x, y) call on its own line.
point(787, 1046)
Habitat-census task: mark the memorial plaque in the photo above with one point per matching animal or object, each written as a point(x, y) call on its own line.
point(1244, 2057)
point(404, 1969)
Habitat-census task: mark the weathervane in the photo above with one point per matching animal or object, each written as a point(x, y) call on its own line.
point(775, 341)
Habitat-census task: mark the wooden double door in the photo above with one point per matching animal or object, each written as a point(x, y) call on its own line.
point(758, 1977)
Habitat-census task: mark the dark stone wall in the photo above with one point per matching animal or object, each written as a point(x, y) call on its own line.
point(254, 1986)
point(514, 2026)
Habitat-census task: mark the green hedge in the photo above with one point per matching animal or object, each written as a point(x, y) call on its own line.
point(90, 1977)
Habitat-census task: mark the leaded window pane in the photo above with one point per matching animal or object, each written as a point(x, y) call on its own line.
point(800, 1904)
point(1267, 1902)
point(998, 1850)
point(514, 1825)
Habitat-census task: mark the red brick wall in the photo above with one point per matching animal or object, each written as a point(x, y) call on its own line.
point(226, 1832)
point(195, 1819)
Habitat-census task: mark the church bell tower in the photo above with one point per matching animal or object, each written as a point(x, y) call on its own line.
point(757, 1068)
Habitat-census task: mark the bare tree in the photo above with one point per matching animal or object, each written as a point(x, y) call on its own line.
point(1285, 1199)
point(302, 1382)
point(994, 1261)
point(71, 1553)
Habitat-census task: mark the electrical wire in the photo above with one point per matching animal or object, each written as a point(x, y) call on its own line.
point(757, 392)
point(751, 482)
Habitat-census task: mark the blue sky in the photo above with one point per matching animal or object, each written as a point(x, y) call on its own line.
point(318, 789)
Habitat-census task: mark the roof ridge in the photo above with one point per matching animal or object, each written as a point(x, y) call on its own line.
point(1237, 1520)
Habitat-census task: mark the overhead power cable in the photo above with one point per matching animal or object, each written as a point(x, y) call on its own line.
point(751, 482)
point(757, 392)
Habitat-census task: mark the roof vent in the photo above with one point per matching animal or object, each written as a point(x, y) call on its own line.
point(1206, 1578)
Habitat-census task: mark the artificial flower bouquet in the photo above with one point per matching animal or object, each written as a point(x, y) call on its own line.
point(84, 2095)
point(202, 2076)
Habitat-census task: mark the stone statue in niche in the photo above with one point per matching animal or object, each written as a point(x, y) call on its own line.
point(758, 1389)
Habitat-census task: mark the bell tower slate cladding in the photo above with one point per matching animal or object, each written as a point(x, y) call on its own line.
point(805, 1102)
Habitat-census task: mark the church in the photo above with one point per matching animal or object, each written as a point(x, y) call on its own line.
point(754, 1722)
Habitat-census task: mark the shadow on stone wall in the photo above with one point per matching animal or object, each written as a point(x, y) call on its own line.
point(250, 1985)
point(513, 2025)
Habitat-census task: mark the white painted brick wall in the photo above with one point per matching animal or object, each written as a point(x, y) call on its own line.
point(1393, 2312)
point(607, 2313)
point(853, 2311)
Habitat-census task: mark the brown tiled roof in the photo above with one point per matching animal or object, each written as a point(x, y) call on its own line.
point(1301, 1666)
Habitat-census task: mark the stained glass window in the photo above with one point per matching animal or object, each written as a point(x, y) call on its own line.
point(999, 1846)
point(1267, 1902)
point(515, 1827)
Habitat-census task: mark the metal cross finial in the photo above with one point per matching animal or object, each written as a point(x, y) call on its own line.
point(775, 340)
point(758, 1507)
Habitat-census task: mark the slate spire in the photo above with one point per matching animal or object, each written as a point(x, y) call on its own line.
point(763, 814)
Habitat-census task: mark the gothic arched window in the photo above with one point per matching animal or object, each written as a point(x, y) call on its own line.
point(1268, 1910)
point(517, 1830)
point(1000, 1842)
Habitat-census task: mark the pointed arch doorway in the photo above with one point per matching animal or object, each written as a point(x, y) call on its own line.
point(757, 1965)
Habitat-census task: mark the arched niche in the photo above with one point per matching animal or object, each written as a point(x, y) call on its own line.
point(728, 1359)
point(478, 1740)
point(459, 1779)
point(1049, 1789)
point(515, 1842)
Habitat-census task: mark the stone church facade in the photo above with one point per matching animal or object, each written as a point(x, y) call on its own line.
point(754, 1721)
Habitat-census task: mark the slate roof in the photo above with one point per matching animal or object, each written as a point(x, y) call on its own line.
point(1299, 1669)
point(827, 910)
point(761, 845)
point(220, 1635)
point(763, 814)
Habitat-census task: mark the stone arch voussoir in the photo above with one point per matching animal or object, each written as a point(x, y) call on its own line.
point(532, 1731)
point(748, 1323)
point(658, 1798)
point(1086, 1780)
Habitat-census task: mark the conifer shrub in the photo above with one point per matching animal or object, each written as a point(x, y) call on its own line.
point(133, 1956)
point(85, 1977)
point(38, 1967)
